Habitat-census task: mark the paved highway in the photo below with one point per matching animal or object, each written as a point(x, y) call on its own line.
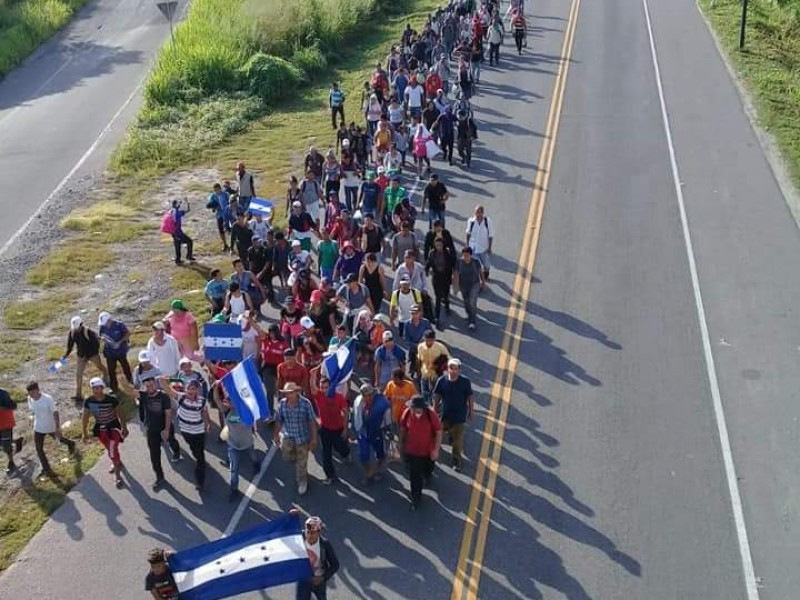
point(63, 110)
point(603, 472)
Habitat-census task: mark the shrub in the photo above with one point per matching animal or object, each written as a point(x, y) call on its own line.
point(311, 61)
point(269, 77)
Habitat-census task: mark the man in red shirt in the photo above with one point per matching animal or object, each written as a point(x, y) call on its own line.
point(420, 439)
point(272, 348)
point(291, 370)
point(8, 444)
point(334, 416)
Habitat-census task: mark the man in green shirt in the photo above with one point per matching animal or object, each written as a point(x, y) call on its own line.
point(328, 254)
point(393, 195)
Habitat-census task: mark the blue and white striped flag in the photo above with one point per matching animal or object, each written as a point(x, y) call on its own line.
point(261, 207)
point(339, 366)
point(246, 392)
point(222, 341)
point(265, 556)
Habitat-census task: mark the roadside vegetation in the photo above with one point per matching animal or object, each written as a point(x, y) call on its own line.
point(769, 65)
point(24, 24)
point(244, 82)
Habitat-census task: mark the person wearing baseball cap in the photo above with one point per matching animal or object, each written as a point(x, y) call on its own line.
point(452, 399)
point(87, 343)
point(372, 419)
point(116, 343)
point(109, 423)
point(420, 440)
point(388, 357)
point(324, 562)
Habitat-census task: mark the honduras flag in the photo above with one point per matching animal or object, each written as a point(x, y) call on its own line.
point(244, 388)
point(265, 556)
point(339, 366)
point(222, 341)
point(261, 207)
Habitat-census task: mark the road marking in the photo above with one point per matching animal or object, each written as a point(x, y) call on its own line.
point(711, 370)
point(74, 169)
point(248, 495)
point(467, 576)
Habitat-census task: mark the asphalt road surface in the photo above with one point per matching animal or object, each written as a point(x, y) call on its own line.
point(612, 478)
point(63, 110)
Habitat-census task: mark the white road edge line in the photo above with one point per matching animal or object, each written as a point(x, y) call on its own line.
point(248, 495)
point(74, 169)
point(719, 413)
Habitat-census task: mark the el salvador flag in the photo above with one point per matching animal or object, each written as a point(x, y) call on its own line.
point(246, 391)
point(265, 556)
point(222, 341)
point(260, 206)
point(339, 366)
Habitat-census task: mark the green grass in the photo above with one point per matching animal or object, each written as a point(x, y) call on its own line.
point(108, 222)
point(24, 24)
point(16, 351)
point(32, 314)
point(769, 65)
point(76, 260)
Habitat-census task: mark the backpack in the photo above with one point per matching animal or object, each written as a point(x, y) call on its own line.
point(472, 224)
point(169, 224)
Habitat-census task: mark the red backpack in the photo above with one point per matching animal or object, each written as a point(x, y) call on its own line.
point(168, 222)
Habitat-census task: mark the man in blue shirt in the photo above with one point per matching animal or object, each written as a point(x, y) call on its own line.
point(372, 417)
point(215, 291)
point(370, 199)
point(219, 203)
point(116, 343)
point(452, 398)
point(336, 102)
point(388, 357)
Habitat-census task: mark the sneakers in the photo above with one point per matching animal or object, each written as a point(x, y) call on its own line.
point(328, 481)
point(471, 326)
point(234, 495)
point(175, 457)
point(302, 488)
point(158, 484)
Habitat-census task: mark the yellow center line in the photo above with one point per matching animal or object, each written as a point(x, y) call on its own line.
point(494, 430)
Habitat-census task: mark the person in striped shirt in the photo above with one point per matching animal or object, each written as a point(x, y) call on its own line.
point(193, 423)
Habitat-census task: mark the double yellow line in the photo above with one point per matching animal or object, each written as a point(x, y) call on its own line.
point(470, 558)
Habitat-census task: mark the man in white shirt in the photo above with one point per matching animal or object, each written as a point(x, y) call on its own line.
point(164, 351)
point(413, 96)
point(480, 235)
point(46, 422)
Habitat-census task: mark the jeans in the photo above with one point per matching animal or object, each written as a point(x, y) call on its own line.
point(494, 54)
point(337, 110)
point(437, 214)
point(332, 440)
point(476, 70)
point(38, 440)
point(419, 467)
point(305, 589)
point(441, 291)
point(350, 197)
point(154, 445)
point(470, 296)
point(112, 361)
point(447, 153)
point(235, 459)
point(197, 446)
point(180, 238)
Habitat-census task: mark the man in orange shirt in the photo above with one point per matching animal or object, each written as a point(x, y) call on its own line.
point(291, 370)
point(399, 390)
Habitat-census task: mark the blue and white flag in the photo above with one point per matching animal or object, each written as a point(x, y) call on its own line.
point(266, 556)
point(339, 366)
point(246, 392)
point(222, 341)
point(259, 206)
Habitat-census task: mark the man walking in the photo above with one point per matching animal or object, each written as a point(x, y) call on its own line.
point(46, 421)
point(480, 235)
point(164, 350)
point(388, 357)
point(109, 423)
point(247, 187)
point(372, 418)
point(296, 432)
point(193, 422)
point(452, 398)
point(468, 278)
point(116, 339)
point(336, 99)
point(324, 562)
point(9, 445)
point(334, 416)
point(420, 439)
point(436, 195)
point(87, 343)
point(158, 421)
point(240, 443)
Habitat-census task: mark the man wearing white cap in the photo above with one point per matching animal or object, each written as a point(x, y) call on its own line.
point(87, 343)
point(452, 398)
point(109, 423)
point(116, 338)
point(164, 350)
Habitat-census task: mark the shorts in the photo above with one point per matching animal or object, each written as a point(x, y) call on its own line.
point(485, 259)
point(367, 446)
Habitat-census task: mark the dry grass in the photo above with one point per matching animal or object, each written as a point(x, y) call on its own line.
point(32, 314)
point(108, 222)
point(75, 260)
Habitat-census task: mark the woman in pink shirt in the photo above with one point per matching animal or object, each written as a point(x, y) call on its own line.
point(183, 327)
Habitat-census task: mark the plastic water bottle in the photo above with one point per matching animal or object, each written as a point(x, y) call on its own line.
point(57, 366)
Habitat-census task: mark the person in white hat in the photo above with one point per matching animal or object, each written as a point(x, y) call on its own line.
point(87, 343)
point(116, 343)
point(164, 350)
point(109, 423)
point(324, 562)
point(452, 399)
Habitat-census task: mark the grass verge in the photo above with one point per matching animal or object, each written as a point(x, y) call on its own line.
point(769, 65)
point(107, 222)
point(16, 350)
point(24, 24)
point(32, 314)
point(75, 260)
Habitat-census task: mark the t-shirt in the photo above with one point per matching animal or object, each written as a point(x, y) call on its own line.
point(401, 243)
point(165, 356)
point(420, 431)
point(104, 412)
point(190, 415)
point(435, 195)
point(355, 298)
point(43, 409)
point(454, 397)
point(163, 585)
point(370, 192)
point(216, 289)
point(330, 410)
point(240, 436)
point(479, 234)
point(181, 323)
point(328, 254)
point(387, 361)
point(374, 238)
point(428, 356)
point(155, 407)
point(399, 395)
point(413, 96)
point(468, 274)
point(295, 373)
